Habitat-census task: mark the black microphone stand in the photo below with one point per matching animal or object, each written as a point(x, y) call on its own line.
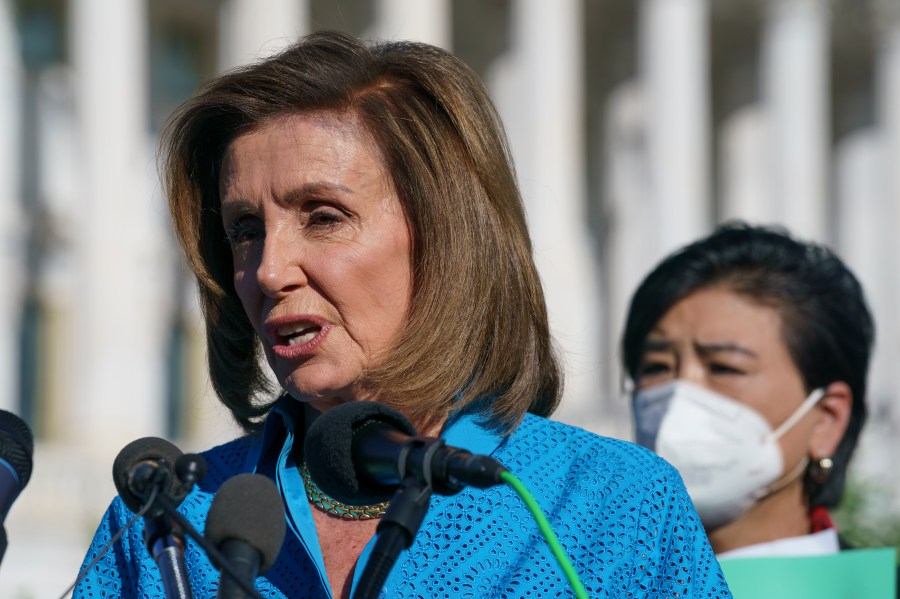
point(164, 537)
point(165, 540)
point(395, 532)
point(215, 556)
point(165, 529)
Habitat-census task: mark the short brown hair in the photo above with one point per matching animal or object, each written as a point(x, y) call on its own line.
point(476, 331)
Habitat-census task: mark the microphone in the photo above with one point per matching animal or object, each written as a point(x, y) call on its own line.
point(16, 453)
point(155, 471)
point(145, 464)
point(360, 453)
point(246, 522)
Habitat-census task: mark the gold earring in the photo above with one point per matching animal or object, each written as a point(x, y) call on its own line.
point(820, 470)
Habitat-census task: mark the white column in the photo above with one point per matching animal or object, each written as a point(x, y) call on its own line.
point(796, 91)
point(547, 135)
point(208, 422)
point(888, 331)
point(866, 237)
point(674, 65)
point(251, 29)
point(745, 167)
point(744, 171)
point(116, 344)
point(427, 21)
point(59, 194)
point(12, 225)
point(629, 218)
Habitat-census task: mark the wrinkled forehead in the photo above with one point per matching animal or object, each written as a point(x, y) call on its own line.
point(326, 142)
point(344, 124)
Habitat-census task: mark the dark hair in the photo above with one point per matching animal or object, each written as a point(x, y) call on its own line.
point(827, 326)
point(477, 324)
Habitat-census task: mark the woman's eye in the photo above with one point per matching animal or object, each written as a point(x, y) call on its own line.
point(325, 218)
point(652, 369)
point(240, 232)
point(718, 368)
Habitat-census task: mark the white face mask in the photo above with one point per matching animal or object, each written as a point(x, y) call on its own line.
point(726, 452)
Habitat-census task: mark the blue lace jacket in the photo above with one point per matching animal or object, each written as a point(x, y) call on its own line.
point(620, 512)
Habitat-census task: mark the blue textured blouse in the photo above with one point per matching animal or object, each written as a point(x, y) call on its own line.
point(621, 514)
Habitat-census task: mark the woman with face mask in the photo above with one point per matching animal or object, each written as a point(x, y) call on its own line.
point(748, 352)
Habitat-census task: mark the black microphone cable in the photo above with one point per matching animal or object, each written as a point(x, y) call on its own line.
point(84, 571)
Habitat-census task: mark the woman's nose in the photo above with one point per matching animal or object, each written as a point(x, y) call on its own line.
point(280, 268)
point(691, 371)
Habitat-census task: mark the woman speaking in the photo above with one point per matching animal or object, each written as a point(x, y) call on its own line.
point(352, 218)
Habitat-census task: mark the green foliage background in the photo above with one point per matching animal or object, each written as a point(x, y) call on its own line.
point(866, 516)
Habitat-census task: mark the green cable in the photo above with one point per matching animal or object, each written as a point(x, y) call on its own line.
point(544, 526)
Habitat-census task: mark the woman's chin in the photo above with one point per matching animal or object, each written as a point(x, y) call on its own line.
point(319, 397)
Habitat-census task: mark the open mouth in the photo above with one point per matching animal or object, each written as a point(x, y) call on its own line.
point(297, 334)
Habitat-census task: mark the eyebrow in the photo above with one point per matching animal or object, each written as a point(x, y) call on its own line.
point(657, 346)
point(702, 348)
point(315, 188)
point(294, 196)
point(714, 348)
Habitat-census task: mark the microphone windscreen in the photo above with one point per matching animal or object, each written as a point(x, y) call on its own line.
point(146, 449)
point(248, 508)
point(328, 450)
point(16, 446)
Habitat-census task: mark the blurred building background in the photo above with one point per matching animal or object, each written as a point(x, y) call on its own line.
point(636, 126)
